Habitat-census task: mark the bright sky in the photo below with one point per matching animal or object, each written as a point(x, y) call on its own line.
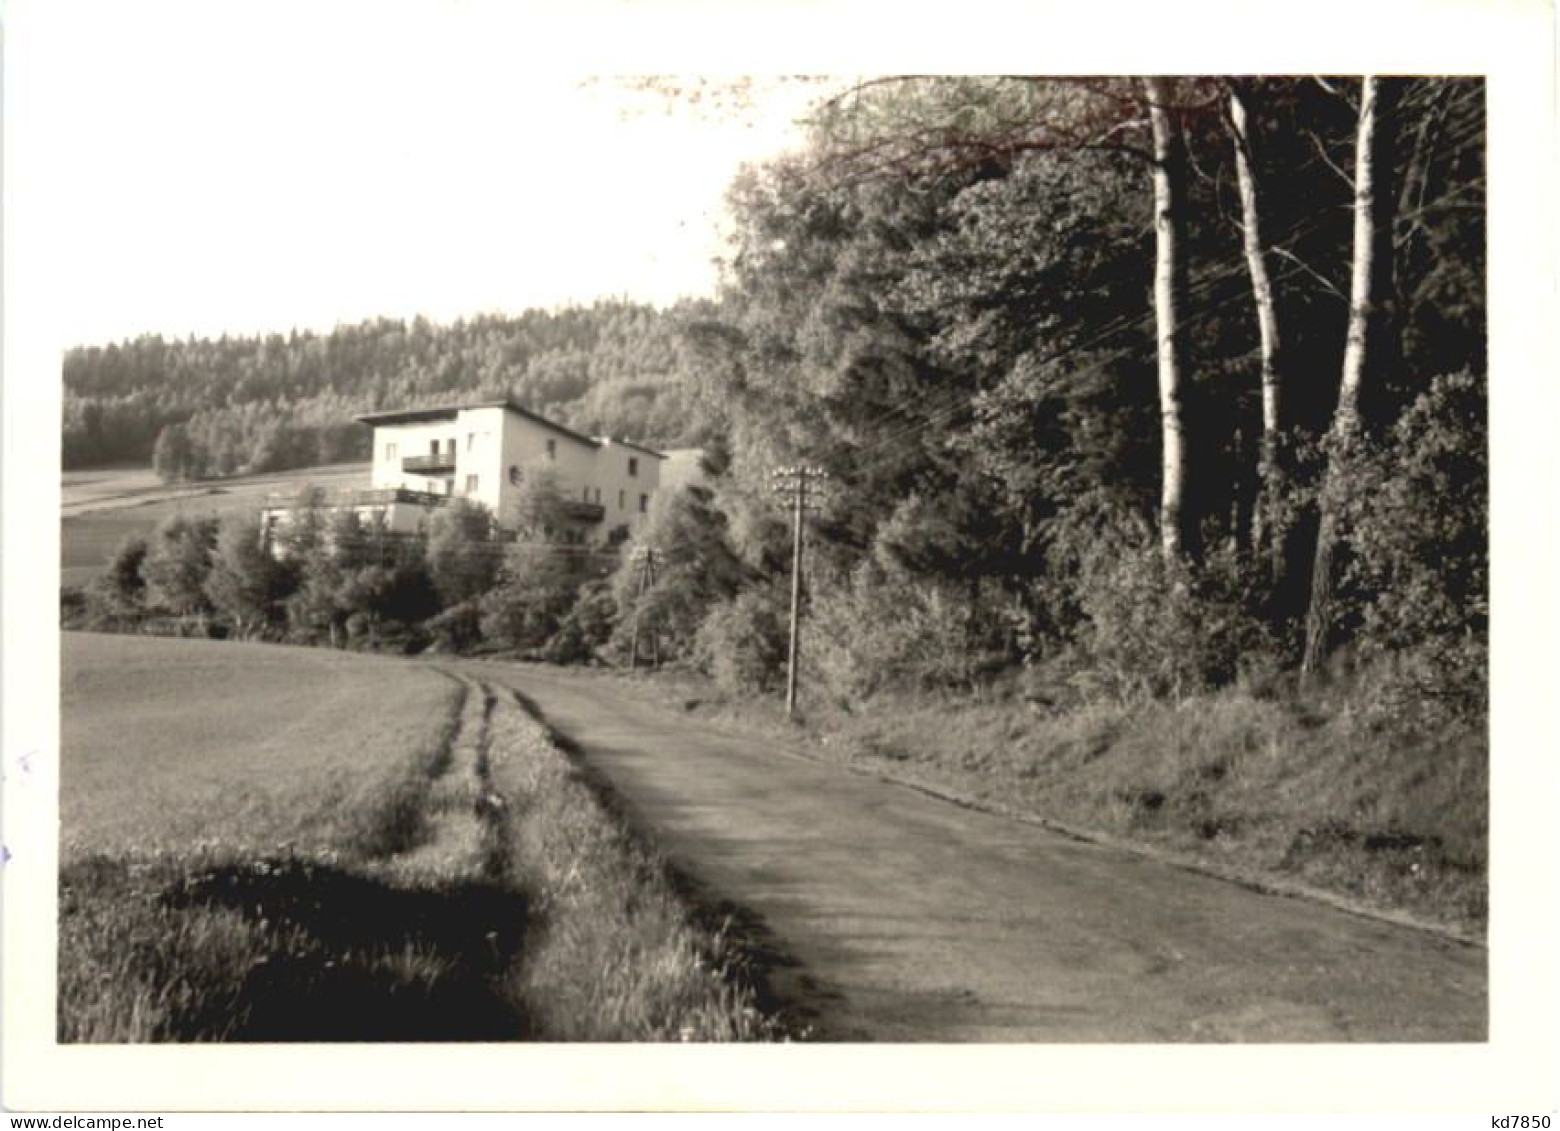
point(248, 167)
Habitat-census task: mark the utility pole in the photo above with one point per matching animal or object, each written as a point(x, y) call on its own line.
point(645, 557)
point(794, 481)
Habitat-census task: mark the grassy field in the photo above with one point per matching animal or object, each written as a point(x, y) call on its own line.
point(264, 843)
point(166, 743)
point(101, 507)
point(1312, 792)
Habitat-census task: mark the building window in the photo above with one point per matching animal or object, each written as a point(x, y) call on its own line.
point(514, 475)
point(471, 484)
point(449, 446)
point(471, 441)
point(633, 465)
point(621, 504)
point(552, 449)
point(390, 450)
point(644, 504)
point(433, 447)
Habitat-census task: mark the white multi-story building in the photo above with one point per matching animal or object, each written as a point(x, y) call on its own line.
point(487, 452)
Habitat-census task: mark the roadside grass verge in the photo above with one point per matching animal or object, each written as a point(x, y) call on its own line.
point(1321, 791)
point(618, 956)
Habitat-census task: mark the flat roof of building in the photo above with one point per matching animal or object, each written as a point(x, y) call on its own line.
point(451, 411)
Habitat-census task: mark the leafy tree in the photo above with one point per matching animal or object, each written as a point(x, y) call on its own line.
point(124, 583)
point(171, 453)
point(541, 572)
point(536, 593)
point(178, 562)
point(1414, 514)
point(742, 642)
point(538, 514)
point(245, 582)
point(587, 626)
point(694, 567)
point(463, 557)
point(375, 598)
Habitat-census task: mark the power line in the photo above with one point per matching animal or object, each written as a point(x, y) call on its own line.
point(644, 557)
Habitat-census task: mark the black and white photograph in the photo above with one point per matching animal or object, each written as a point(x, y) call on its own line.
point(563, 555)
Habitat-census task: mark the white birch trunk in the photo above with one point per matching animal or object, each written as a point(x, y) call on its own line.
point(1169, 273)
point(1264, 538)
point(1371, 276)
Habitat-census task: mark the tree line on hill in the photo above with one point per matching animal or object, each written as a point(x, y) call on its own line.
point(203, 408)
point(1148, 385)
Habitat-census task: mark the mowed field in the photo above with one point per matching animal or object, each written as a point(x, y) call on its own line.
point(165, 743)
point(268, 843)
point(100, 508)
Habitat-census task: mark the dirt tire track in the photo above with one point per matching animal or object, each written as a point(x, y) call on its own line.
point(464, 815)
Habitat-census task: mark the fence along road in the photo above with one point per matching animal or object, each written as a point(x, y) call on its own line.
point(914, 919)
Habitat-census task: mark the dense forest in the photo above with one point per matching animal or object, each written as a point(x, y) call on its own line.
point(201, 408)
point(1188, 372)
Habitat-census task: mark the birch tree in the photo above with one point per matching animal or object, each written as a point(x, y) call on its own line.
point(1371, 284)
point(1265, 540)
point(1177, 529)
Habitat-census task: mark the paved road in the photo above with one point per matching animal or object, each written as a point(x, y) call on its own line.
point(913, 919)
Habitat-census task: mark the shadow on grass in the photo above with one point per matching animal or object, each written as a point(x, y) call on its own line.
point(756, 958)
point(359, 960)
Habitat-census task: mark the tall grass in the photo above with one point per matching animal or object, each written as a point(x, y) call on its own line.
point(619, 956)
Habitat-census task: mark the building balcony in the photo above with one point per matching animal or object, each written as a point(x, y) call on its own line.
point(359, 497)
point(383, 496)
point(584, 512)
point(441, 463)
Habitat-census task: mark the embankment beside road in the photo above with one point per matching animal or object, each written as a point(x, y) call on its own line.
point(1321, 794)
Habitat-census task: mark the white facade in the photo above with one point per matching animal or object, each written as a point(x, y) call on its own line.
point(487, 453)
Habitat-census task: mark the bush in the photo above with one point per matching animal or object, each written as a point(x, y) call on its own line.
point(1416, 520)
point(177, 562)
point(586, 628)
point(875, 631)
point(458, 628)
point(1158, 630)
point(539, 588)
point(742, 643)
point(73, 607)
point(694, 567)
